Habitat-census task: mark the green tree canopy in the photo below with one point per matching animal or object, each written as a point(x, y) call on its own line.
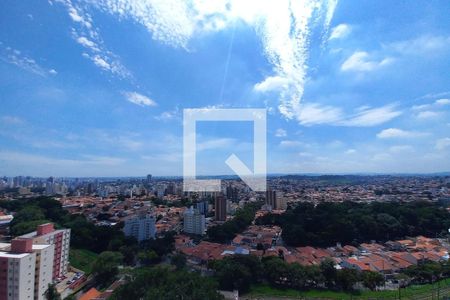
point(105, 267)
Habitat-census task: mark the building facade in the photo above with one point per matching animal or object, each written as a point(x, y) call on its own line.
point(26, 270)
point(142, 227)
point(194, 221)
point(60, 238)
point(220, 208)
point(271, 198)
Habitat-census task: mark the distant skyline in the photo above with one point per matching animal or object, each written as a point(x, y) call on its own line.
point(97, 88)
point(235, 177)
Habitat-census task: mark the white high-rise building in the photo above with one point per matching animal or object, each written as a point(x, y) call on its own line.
point(25, 269)
point(194, 221)
point(141, 226)
point(60, 238)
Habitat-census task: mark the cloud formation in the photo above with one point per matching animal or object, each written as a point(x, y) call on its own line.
point(340, 31)
point(284, 27)
point(398, 133)
point(16, 57)
point(139, 99)
point(317, 114)
point(361, 61)
point(280, 133)
point(88, 36)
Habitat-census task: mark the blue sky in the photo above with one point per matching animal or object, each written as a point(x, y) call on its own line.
point(97, 88)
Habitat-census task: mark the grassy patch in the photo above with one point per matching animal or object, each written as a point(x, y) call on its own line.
point(82, 259)
point(406, 293)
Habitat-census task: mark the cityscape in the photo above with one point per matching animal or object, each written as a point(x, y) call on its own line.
point(202, 229)
point(224, 149)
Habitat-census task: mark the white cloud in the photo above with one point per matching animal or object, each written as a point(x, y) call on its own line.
point(372, 116)
point(284, 27)
point(361, 61)
point(89, 37)
point(425, 45)
point(430, 110)
point(340, 31)
point(421, 107)
point(280, 132)
point(314, 114)
point(216, 144)
point(443, 143)
point(401, 149)
point(16, 57)
point(350, 151)
point(139, 99)
point(103, 160)
point(76, 16)
point(40, 165)
point(87, 43)
point(168, 115)
point(435, 95)
point(101, 62)
point(53, 72)
point(291, 144)
point(442, 102)
point(272, 83)
point(398, 133)
point(428, 114)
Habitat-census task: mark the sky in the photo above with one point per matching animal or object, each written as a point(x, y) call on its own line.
point(98, 87)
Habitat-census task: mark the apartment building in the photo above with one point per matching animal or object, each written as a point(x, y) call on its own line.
point(194, 221)
point(60, 238)
point(26, 269)
point(141, 226)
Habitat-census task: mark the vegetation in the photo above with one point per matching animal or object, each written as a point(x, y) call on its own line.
point(226, 232)
point(242, 271)
point(82, 259)
point(106, 267)
point(159, 283)
point(84, 234)
point(52, 293)
point(148, 257)
point(428, 272)
point(416, 291)
point(237, 272)
point(179, 261)
point(351, 223)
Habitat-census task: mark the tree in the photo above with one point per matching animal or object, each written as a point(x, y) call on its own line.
point(227, 231)
point(26, 227)
point(52, 293)
point(276, 271)
point(426, 272)
point(347, 278)
point(159, 283)
point(327, 267)
point(105, 267)
point(129, 252)
point(162, 246)
point(372, 279)
point(25, 218)
point(237, 272)
point(350, 222)
point(148, 257)
point(179, 261)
